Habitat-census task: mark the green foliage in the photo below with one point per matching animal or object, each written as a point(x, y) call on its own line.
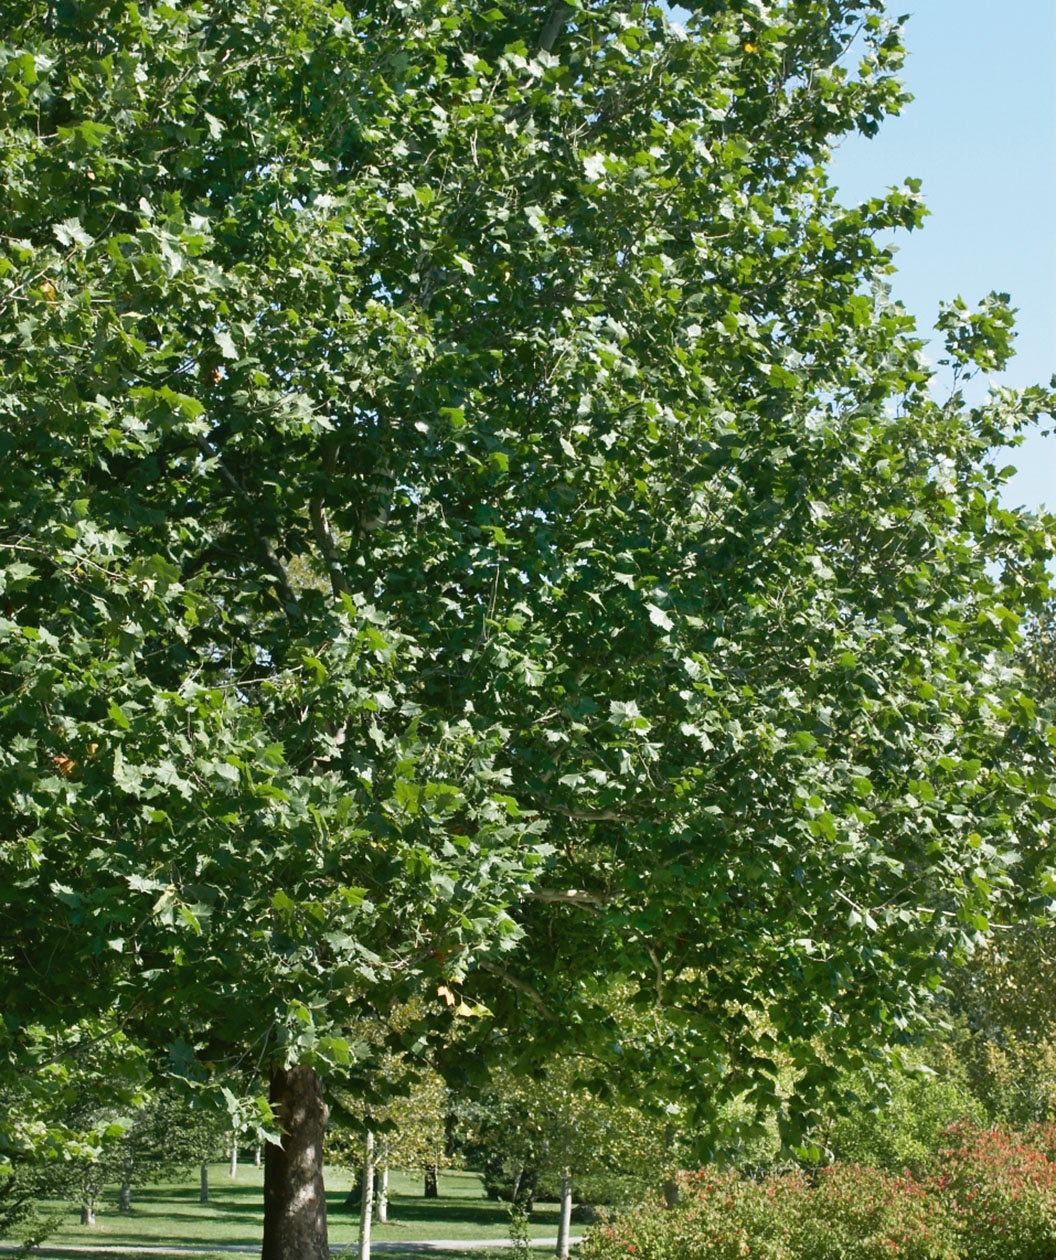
point(467, 486)
point(1004, 1035)
point(525, 1131)
point(519, 1230)
point(901, 1117)
point(1037, 654)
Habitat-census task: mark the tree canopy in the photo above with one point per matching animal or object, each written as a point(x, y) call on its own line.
point(467, 485)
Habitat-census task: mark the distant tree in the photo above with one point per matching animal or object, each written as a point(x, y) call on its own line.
point(898, 1117)
point(65, 1097)
point(165, 1137)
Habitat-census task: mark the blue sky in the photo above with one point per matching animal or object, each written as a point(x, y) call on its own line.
point(981, 135)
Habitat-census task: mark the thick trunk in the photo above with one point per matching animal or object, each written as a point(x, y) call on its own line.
point(203, 1192)
point(366, 1202)
point(382, 1197)
point(564, 1226)
point(294, 1199)
point(432, 1182)
point(87, 1214)
point(124, 1197)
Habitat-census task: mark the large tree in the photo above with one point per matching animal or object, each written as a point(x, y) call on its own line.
point(430, 424)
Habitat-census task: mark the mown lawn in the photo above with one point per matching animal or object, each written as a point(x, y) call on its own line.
point(171, 1214)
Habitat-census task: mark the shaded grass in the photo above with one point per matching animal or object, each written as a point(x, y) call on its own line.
point(74, 1254)
point(170, 1213)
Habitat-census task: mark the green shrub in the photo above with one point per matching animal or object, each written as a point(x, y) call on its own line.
point(720, 1217)
point(905, 1127)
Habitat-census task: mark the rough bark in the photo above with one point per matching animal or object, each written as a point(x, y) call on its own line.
point(87, 1214)
point(366, 1202)
point(294, 1199)
point(564, 1227)
point(124, 1197)
point(432, 1182)
point(203, 1193)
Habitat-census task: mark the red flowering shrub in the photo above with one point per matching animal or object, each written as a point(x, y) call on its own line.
point(720, 1216)
point(993, 1197)
point(1000, 1188)
point(851, 1213)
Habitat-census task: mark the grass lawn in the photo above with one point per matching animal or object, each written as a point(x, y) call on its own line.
point(171, 1213)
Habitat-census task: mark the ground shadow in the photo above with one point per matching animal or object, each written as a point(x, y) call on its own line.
point(406, 1210)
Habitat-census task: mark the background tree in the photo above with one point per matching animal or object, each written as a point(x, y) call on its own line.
point(65, 1099)
point(540, 338)
point(165, 1137)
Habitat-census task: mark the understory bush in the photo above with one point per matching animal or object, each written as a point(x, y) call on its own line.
point(1000, 1188)
point(991, 1196)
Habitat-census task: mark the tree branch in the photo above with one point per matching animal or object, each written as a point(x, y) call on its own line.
point(522, 986)
point(274, 564)
point(586, 815)
point(553, 27)
point(567, 896)
point(324, 539)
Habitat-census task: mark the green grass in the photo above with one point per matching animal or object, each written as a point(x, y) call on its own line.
point(171, 1214)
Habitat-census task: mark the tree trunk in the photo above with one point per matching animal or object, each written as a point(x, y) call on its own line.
point(382, 1197)
point(87, 1214)
point(203, 1193)
point(671, 1192)
point(234, 1156)
point(565, 1223)
point(124, 1197)
point(256, 1155)
point(294, 1199)
point(366, 1202)
point(432, 1182)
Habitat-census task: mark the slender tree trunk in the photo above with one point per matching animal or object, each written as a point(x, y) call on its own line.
point(564, 1227)
point(256, 1155)
point(294, 1199)
point(234, 1156)
point(382, 1197)
point(124, 1197)
point(366, 1201)
point(670, 1187)
point(203, 1193)
point(432, 1182)
point(87, 1214)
